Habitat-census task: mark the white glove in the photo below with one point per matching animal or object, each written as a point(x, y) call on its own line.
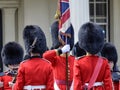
point(65, 48)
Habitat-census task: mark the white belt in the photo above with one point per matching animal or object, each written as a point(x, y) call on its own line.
point(30, 87)
point(95, 84)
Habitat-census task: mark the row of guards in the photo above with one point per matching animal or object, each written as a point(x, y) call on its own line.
point(109, 51)
point(91, 70)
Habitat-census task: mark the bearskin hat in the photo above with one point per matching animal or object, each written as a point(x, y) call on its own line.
point(59, 39)
point(77, 51)
point(109, 51)
point(34, 39)
point(12, 53)
point(91, 37)
point(54, 34)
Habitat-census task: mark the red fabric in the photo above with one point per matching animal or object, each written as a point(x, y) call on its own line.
point(59, 66)
point(6, 79)
point(96, 71)
point(83, 69)
point(1, 81)
point(116, 85)
point(35, 71)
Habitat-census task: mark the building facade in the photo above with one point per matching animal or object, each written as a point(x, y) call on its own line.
point(16, 14)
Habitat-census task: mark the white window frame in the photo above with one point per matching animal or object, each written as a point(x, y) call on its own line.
point(94, 17)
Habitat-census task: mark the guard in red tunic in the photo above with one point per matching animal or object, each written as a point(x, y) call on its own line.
point(109, 51)
point(35, 73)
point(1, 82)
point(12, 54)
point(91, 39)
point(61, 59)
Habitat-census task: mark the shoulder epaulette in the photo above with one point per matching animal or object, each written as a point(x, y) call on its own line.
point(46, 60)
point(77, 58)
point(24, 61)
point(72, 55)
point(104, 58)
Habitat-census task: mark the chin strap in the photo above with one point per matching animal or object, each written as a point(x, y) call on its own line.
point(33, 45)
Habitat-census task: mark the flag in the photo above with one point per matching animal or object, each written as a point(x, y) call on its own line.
point(66, 32)
point(65, 16)
point(65, 27)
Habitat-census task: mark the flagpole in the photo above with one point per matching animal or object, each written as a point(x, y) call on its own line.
point(61, 21)
point(67, 84)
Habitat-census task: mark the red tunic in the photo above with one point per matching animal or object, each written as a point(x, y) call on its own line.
point(6, 79)
point(1, 81)
point(59, 68)
point(35, 71)
point(116, 85)
point(83, 70)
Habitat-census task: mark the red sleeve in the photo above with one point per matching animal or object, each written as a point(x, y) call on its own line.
point(20, 79)
point(76, 77)
point(6, 79)
point(116, 85)
point(1, 81)
point(108, 78)
point(51, 56)
point(50, 80)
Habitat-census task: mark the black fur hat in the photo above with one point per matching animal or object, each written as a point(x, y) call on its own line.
point(34, 39)
point(109, 51)
point(77, 51)
point(12, 53)
point(91, 37)
point(54, 33)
